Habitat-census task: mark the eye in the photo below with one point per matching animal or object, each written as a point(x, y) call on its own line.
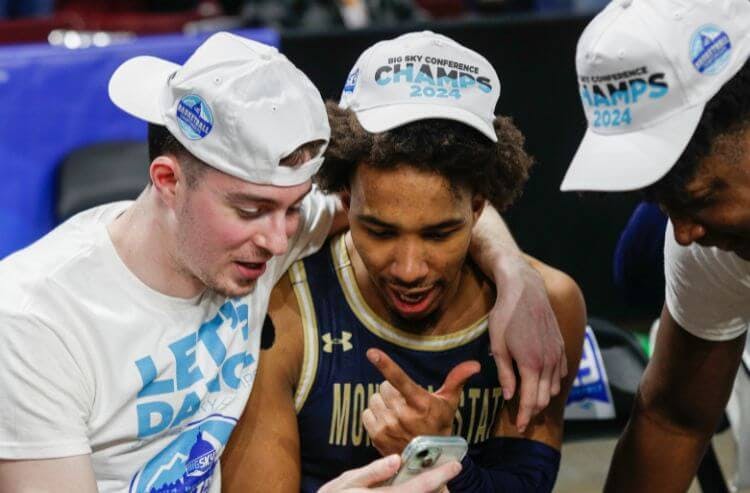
point(437, 235)
point(380, 233)
point(249, 213)
point(294, 210)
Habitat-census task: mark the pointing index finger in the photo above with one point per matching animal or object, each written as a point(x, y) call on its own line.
point(411, 391)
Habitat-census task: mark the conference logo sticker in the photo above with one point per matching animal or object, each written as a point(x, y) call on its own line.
point(194, 117)
point(710, 49)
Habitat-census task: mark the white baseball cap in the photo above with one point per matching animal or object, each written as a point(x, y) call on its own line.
point(236, 104)
point(419, 76)
point(646, 69)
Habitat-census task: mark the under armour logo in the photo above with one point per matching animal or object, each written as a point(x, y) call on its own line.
point(328, 341)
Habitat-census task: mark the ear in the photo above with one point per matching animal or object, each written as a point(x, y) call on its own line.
point(477, 206)
point(165, 175)
point(346, 199)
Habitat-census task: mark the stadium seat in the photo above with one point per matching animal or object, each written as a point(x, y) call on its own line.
point(100, 173)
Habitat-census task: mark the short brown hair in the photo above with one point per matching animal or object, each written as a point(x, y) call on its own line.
point(161, 142)
point(463, 155)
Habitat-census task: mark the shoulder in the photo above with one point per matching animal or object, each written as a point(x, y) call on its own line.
point(706, 289)
point(287, 346)
point(566, 299)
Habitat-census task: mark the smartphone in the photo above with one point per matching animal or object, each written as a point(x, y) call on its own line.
point(426, 452)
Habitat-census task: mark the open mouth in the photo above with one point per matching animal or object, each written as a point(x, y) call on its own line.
point(250, 270)
point(412, 302)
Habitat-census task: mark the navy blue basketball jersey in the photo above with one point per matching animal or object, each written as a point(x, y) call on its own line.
point(337, 380)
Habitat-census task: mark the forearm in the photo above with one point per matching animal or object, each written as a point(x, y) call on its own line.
point(492, 244)
point(509, 465)
point(680, 400)
point(655, 455)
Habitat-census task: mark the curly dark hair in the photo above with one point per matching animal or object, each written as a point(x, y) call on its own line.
point(725, 114)
point(463, 155)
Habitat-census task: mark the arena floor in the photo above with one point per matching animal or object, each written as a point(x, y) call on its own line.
point(584, 464)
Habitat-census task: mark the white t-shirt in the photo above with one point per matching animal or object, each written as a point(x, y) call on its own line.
point(707, 289)
point(93, 361)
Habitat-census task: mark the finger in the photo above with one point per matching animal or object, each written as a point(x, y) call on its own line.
point(413, 393)
point(392, 397)
point(456, 379)
point(554, 388)
point(429, 481)
point(563, 362)
point(543, 391)
point(370, 422)
point(529, 391)
point(505, 372)
point(384, 416)
point(369, 475)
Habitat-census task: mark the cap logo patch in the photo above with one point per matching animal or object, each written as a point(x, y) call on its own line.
point(432, 77)
point(710, 49)
point(351, 81)
point(194, 117)
point(608, 98)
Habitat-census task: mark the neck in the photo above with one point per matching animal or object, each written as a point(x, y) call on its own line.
point(146, 246)
point(470, 298)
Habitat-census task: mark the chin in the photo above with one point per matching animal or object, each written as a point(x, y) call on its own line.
point(232, 289)
point(415, 322)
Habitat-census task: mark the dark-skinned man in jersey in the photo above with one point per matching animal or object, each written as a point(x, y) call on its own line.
point(416, 151)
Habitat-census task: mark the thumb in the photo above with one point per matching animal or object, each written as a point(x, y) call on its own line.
point(369, 475)
point(456, 379)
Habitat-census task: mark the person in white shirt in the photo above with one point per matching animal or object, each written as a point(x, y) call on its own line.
point(666, 91)
point(129, 335)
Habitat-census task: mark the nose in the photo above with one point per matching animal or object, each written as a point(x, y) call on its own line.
point(409, 265)
point(272, 235)
point(686, 230)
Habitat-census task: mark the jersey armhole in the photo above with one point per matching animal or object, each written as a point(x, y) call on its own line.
point(298, 278)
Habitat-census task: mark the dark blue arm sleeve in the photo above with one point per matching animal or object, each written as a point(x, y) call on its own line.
point(508, 465)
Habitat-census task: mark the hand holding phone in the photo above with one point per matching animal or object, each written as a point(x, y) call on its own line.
point(368, 478)
point(425, 453)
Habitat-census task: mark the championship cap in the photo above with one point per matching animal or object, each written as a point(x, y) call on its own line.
point(646, 69)
point(236, 104)
point(419, 76)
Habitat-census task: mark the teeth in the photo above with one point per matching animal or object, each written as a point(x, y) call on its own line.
point(408, 298)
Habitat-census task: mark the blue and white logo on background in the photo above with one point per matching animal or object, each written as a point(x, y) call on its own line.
point(194, 117)
point(710, 49)
point(188, 463)
point(590, 397)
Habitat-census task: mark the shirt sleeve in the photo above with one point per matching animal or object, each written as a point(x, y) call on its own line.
point(707, 289)
point(316, 216)
point(45, 404)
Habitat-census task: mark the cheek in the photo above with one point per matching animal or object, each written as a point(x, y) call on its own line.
point(292, 225)
point(375, 254)
point(449, 256)
point(220, 230)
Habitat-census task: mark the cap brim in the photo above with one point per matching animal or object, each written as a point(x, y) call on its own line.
point(136, 86)
point(633, 160)
point(383, 118)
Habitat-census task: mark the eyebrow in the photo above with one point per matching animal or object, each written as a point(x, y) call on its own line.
point(236, 197)
point(450, 223)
